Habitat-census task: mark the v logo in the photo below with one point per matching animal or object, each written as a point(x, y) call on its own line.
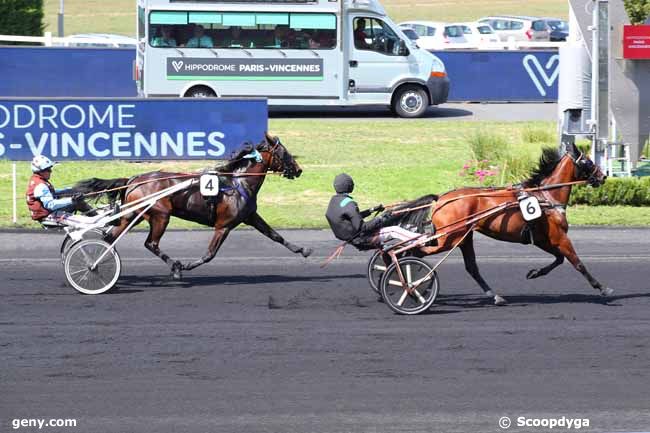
point(177, 64)
point(536, 71)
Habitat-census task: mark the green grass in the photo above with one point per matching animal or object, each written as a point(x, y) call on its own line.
point(390, 160)
point(118, 16)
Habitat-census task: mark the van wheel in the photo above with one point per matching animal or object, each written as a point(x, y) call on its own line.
point(200, 92)
point(410, 101)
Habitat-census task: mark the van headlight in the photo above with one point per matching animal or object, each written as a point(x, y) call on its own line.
point(438, 68)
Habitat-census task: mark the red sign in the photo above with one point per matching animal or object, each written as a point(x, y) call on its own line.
point(636, 42)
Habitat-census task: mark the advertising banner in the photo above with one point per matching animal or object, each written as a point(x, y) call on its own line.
point(184, 68)
point(129, 129)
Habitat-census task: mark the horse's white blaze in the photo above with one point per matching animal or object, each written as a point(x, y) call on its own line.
point(402, 298)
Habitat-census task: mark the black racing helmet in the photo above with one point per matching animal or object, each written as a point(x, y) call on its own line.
point(343, 184)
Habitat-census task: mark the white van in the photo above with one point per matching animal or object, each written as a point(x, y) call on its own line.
point(293, 52)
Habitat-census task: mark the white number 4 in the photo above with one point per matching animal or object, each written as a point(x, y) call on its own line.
point(209, 185)
point(530, 208)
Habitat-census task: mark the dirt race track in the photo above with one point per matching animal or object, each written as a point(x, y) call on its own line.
point(255, 344)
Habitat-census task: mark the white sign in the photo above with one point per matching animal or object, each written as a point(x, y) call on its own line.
point(530, 208)
point(209, 185)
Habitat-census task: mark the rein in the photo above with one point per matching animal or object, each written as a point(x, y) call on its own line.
point(505, 192)
point(182, 176)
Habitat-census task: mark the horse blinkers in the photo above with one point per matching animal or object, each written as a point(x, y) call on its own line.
point(589, 171)
point(286, 163)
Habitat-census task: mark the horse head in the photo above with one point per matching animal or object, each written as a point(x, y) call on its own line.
point(585, 167)
point(281, 160)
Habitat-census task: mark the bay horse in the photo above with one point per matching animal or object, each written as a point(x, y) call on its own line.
point(243, 177)
point(549, 232)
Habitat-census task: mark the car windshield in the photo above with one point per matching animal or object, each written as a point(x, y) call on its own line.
point(558, 25)
point(453, 31)
point(485, 30)
point(410, 33)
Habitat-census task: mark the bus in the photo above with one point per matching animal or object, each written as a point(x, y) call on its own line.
point(292, 52)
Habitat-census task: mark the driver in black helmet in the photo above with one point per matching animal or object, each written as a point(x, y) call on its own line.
point(346, 220)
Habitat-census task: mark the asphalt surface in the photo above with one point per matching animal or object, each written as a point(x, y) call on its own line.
point(260, 340)
point(498, 112)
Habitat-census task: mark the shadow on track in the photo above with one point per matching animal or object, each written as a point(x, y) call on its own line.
point(473, 301)
point(200, 281)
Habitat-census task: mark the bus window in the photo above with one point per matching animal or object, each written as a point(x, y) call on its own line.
point(242, 30)
point(165, 27)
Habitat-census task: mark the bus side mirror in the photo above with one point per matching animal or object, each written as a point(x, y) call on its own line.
point(401, 49)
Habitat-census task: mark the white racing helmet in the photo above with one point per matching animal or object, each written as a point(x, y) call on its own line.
point(40, 163)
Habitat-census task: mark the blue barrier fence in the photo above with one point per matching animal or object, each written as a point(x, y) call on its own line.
point(136, 129)
point(70, 72)
point(503, 76)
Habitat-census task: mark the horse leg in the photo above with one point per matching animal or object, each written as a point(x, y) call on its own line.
point(565, 247)
point(157, 226)
point(256, 221)
point(220, 235)
point(559, 259)
point(469, 257)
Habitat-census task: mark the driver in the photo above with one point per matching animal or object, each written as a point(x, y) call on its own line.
point(46, 203)
point(346, 221)
point(360, 35)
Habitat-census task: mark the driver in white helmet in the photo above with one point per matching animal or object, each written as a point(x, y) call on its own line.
point(46, 202)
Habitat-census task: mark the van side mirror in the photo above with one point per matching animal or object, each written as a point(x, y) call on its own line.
point(401, 49)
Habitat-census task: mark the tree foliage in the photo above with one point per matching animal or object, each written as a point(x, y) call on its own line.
point(637, 10)
point(21, 17)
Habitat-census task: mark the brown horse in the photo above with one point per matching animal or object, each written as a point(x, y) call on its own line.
point(549, 232)
point(236, 203)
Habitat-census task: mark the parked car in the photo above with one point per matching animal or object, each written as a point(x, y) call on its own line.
point(519, 28)
point(478, 33)
point(410, 33)
point(100, 40)
point(436, 35)
point(559, 29)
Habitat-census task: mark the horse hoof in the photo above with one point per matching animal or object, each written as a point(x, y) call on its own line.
point(498, 300)
point(177, 273)
point(607, 291)
point(533, 273)
point(306, 252)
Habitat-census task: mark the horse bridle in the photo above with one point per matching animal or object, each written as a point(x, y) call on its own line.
point(582, 163)
point(284, 161)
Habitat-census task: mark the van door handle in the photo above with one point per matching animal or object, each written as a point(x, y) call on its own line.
point(354, 63)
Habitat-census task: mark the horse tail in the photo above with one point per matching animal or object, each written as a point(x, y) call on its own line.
point(111, 188)
point(419, 217)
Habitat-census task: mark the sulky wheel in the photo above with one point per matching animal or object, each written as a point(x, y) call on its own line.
point(81, 271)
point(419, 276)
point(68, 242)
point(376, 269)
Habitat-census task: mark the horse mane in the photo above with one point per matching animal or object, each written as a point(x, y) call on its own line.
point(416, 218)
point(547, 162)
